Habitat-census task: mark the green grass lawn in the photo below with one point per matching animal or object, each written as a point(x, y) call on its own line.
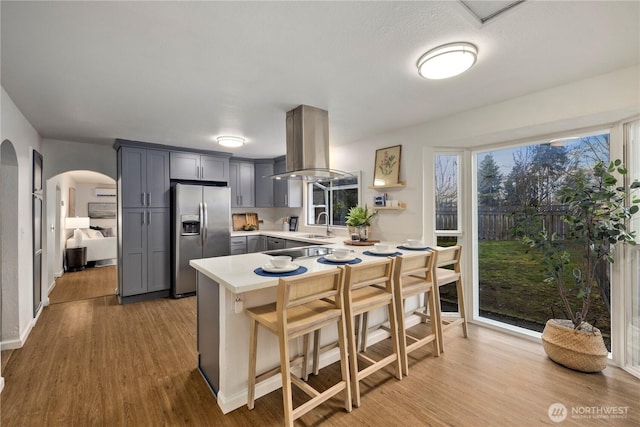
point(512, 289)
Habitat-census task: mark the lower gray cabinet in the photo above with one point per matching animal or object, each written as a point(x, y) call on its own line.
point(274, 243)
point(256, 244)
point(238, 245)
point(295, 244)
point(145, 251)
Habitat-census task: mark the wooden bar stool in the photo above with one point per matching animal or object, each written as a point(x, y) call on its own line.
point(305, 303)
point(413, 276)
point(367, 287)
point(448, 271)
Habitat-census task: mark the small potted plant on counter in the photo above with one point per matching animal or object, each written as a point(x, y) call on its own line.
point(597, 213)
point(359, 221)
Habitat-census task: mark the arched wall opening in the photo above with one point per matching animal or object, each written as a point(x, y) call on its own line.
point(9, 267)
point(70, 194)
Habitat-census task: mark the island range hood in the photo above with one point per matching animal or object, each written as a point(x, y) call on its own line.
point(308, 146)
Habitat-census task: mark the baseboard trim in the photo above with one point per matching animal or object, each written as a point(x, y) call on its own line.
point(51, 286)
point(1, 384)
point(18, 342)
point(58, 274)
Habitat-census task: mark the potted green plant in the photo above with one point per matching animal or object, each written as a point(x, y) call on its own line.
point(359, 221)
point(597, 213)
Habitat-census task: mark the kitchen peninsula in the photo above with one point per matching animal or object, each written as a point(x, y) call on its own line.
point(225, 287)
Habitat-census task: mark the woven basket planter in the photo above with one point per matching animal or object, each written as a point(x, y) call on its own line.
point(580, 349)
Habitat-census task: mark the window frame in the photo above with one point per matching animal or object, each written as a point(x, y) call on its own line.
point(310, 207)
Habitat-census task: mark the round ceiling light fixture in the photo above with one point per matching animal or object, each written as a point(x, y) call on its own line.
point(447, 60)
point(230, 141)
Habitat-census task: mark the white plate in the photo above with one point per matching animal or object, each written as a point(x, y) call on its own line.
point(332, 258)
point(385, 252)
point(406, 245)
point(272, 269)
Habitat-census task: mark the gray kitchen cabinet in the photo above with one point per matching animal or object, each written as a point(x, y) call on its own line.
point(241, 181)
point(144, 249)
point(145, 253)
point(274, 243)
point(256, 244)
point(264, 186)
point(286, 193)
point(143, 177)
point(199, 167)
point(238, 245)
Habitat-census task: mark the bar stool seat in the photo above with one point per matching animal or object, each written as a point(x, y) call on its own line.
point(305, 304)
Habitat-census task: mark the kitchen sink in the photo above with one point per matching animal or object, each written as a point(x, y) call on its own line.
point(295, 253)
point(314, 236)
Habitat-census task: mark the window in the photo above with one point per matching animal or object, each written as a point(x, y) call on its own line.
point(335, 196)
point(510, 284)
point(446, 190)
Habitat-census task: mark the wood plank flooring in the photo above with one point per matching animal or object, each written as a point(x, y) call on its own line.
point(94, 362)
point(90, 283)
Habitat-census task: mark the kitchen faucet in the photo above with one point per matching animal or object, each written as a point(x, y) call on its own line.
point(326, 218)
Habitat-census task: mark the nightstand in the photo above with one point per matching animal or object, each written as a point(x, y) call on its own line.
point(76, 258)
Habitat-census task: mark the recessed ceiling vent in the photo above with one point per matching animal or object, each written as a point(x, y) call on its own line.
point(308, 146)
point(486, 10)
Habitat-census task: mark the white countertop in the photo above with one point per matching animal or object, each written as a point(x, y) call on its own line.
point(235, 272)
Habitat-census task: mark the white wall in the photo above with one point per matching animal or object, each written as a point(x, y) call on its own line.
point(592, 102)
point(85, 194)
point(25, 139)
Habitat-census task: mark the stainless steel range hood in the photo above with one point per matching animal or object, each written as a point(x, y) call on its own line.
point(308, 146)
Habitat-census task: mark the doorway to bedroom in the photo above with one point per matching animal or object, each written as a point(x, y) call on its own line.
point(84, 250)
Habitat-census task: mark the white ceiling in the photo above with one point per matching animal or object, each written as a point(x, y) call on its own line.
point(180, 73)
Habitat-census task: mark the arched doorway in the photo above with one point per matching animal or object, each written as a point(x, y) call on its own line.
point(10, 328)
point(73, 193)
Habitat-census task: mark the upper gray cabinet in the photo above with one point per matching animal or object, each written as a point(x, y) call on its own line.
point(199, 167)
point(241, 181)
point(144, 177)
point(264, 186)
point(286, 193)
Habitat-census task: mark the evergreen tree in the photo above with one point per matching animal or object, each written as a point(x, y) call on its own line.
point(489, 182)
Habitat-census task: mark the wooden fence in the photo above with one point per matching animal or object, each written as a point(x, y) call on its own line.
point(494, 223)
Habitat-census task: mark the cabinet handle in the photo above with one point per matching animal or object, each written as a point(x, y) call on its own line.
point(148, 199)
point(197, 171)
point(241, 200)
point(143, 218)
point(201, 172)
point(286, 199)
point(148, 218)
point(142, 198)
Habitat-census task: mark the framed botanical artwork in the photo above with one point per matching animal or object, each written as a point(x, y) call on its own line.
point(387, 166)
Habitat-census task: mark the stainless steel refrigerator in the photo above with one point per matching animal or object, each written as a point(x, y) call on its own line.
point(201, 223)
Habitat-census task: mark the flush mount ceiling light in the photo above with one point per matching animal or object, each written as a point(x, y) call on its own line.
point(230, 141)
point(447, 60)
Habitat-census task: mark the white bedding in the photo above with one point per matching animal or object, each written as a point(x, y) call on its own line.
point(97, 248)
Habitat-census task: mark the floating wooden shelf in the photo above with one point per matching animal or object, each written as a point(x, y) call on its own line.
point(400, 207)
point(400, 184)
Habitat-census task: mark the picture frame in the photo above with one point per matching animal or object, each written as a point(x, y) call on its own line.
point(102, 210)
point(387, 166)
point(293, 223)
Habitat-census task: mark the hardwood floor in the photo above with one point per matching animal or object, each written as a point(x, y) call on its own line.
point(90, 283)
point(93, 362)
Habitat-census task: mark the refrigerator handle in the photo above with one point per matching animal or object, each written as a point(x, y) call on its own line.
point(201, 218)
point(206, 223)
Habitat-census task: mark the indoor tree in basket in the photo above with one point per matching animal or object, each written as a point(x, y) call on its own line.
point(359, 218)
point(597, 212)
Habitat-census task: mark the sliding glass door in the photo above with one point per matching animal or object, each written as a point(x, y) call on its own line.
point(632, 274)
point(511, 288)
